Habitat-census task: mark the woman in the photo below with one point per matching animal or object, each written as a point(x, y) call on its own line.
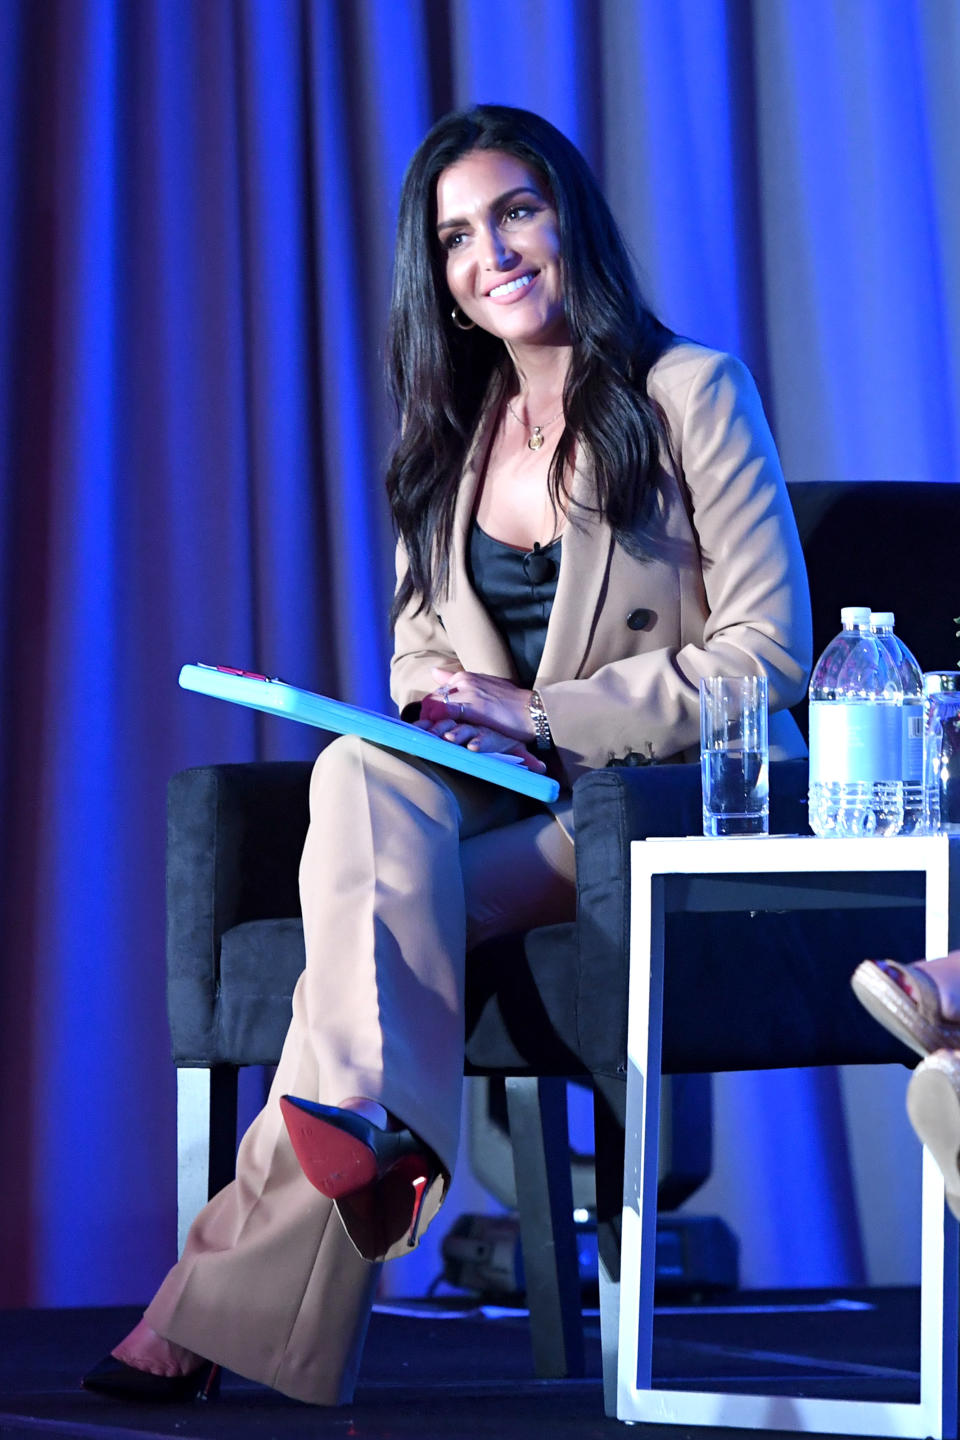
point(591, 516)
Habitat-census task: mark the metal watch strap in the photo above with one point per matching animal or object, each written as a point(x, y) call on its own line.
point(541, 725)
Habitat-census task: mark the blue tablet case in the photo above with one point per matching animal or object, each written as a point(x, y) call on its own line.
point(274, 697)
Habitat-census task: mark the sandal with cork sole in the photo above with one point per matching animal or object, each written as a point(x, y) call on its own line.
point(906, 1001)
point(933, 1104)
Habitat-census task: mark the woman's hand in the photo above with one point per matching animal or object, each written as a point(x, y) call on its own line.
point(479, 738)
point(483, 741)
point(480, 700)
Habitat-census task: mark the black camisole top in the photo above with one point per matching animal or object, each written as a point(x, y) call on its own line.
point(517, 588)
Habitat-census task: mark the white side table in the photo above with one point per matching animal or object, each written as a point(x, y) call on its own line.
point(740, 874)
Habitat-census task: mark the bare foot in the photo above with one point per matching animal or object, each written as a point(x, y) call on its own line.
point(145, 1350)
point(371, 1110)
point(945, 972)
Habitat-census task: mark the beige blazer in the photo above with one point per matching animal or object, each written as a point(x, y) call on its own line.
point(722, 588)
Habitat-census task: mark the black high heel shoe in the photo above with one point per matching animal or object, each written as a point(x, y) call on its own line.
point(342, 1153)
point(115, 1378)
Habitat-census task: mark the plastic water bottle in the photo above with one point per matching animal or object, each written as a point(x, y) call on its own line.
point(855, 734)
point(911, 681)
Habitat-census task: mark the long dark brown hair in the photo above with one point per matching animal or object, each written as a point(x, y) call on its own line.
point(439, 375)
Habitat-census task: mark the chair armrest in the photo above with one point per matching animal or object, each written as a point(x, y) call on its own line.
point(742, 991)
point(611, 809)
point(614, 807)
point(234, 837)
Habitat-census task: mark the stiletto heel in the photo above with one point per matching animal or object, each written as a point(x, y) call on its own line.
point(342, 1154)
point(210, 1389)
point(115, 1378)
point(420, 1187)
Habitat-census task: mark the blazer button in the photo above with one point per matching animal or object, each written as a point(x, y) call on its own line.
point(639, 619)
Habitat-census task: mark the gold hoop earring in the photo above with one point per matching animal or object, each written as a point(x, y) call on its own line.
point(461, 324)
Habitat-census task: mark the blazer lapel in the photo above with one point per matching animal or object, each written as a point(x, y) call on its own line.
point(584, 570)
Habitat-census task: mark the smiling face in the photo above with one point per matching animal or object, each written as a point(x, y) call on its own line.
point(498, 229)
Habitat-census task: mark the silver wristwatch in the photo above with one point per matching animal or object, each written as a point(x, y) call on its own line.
point(541, 725)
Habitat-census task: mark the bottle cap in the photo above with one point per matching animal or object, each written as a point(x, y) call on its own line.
point(882, 617)
point(852, 616)
point(935, 682)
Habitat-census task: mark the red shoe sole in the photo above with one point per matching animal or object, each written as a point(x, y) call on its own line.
point(336, 1163)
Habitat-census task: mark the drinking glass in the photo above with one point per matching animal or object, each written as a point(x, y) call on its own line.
point(734, 755)
point(941, 752)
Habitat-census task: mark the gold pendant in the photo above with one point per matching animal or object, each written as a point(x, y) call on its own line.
point(536, 439)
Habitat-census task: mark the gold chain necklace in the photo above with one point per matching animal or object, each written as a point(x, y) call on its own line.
point(536, 438)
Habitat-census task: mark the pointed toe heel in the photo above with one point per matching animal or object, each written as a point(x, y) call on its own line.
point(342, 1154)
point(120, 1381)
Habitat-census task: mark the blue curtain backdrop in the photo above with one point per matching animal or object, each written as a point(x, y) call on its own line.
point(197, 200)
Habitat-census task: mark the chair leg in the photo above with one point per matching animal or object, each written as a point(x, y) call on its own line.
point(206, 1139)
point(537, 1112)
point(609, 1108)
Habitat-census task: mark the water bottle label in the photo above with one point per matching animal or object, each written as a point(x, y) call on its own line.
point(912, 742)
point(854, 743)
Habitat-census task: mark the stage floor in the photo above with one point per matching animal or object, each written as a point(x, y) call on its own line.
point(445, 1371)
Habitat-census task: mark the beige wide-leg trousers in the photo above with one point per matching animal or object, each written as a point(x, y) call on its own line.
point(405, 867)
